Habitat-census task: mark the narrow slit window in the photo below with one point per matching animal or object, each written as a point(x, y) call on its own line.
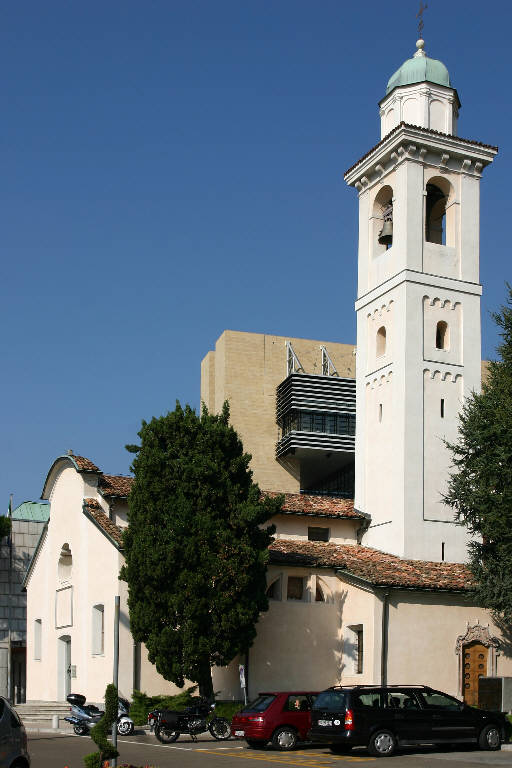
point(442, 551)
point(360, 651)
point(381, 341)
point(442, 407)
point(38, 631)
point(380, 411)
point(442, 335)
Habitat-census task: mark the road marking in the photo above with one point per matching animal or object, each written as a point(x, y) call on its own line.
point(170, 746)
point(310, 761)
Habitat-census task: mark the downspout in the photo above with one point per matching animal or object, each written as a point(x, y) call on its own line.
point(247, 675)
point(384, 638)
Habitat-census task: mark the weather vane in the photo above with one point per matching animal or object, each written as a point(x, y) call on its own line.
point(419, 16)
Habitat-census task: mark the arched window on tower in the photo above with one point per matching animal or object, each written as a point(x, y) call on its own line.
point(382, 218)
point(381, 341)
point(442, 335)
point(435, 215)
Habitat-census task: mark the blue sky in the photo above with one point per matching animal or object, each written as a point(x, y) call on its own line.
point(172, 169)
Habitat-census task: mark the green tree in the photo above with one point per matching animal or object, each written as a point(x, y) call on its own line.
point(5, 526)
point(480, 489)
point(195, 548)
point(102, 729)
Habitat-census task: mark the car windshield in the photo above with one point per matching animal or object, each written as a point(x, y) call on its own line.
point(259, 705)
point(330, 701)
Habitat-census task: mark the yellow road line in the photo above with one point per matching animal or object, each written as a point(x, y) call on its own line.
point(311, 763)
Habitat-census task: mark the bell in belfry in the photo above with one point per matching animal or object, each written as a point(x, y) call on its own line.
point(386, 233)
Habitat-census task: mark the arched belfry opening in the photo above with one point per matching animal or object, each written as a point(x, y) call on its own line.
point(435, 215)
point(439, 212)
point(383, 219)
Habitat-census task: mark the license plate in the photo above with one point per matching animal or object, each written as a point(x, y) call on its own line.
point(239, 733)
point(325, 723)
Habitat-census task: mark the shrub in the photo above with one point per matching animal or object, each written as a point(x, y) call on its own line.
point(142, 704)
point(106, 750)
point(227, 709)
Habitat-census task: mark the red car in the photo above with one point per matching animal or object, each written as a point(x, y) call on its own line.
point(282, 718)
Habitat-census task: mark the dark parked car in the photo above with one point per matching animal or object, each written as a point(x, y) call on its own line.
point(282, 718)
point(382, 718)
point(13, 739)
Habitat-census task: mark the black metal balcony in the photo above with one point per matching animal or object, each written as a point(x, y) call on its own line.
point(304, 391)
point(315, 413)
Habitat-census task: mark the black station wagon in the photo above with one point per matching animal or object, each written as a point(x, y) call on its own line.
point(382, 718)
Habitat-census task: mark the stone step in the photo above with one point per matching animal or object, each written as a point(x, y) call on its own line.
point(34, 711)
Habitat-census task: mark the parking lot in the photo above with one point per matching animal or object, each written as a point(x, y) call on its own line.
point(59, 750)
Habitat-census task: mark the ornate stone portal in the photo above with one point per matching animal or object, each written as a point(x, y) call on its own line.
point(477, 634)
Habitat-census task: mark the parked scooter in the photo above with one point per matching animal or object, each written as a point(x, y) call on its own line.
point(83, 716)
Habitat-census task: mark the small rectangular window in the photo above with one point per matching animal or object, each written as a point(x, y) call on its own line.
point(295, 588)
point(318, 534)
point(38, 631)
point(442, 407)
point(442, 551)
point(380, 411)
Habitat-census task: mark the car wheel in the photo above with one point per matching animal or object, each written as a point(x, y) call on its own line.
point(285, 738)
point(382, 744)
point(253, 744)
point(80, 730)
point(490, 738)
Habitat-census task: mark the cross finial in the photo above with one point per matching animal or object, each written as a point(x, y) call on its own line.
point(419, 16)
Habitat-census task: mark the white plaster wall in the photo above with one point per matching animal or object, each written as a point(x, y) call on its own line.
point(295, 527)
point(437, 309)
point(423, 104)
point(94, 579)
point(423, 631)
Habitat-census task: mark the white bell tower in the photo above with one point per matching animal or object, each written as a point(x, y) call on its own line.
point(418, 310)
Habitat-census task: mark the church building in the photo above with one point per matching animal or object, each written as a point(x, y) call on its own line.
point(366, 581)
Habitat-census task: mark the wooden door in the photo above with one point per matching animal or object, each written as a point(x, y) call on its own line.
point(474, 665)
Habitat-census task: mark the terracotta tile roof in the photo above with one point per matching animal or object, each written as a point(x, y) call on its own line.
point(426, 130)
point(115, 485)
point(85, 465)
point(316, 506)
point(379, 568)
point(111, 529)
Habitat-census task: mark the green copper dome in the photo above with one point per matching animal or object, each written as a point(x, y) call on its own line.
point(418, 69)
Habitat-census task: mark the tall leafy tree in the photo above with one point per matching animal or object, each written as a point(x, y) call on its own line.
point(196, 545)
point(480, 489)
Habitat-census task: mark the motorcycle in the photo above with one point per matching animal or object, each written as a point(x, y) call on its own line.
point(169, 725)
point(83, 716)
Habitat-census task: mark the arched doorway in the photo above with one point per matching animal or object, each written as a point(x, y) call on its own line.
point(63, 667)
point(474, 664)
point(477, 650)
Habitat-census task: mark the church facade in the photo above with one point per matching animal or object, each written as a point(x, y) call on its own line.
point(366, 579)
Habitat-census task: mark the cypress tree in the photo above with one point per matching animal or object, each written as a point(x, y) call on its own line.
point(196, 545)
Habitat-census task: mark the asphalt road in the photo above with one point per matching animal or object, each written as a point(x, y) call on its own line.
point(59, 751)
